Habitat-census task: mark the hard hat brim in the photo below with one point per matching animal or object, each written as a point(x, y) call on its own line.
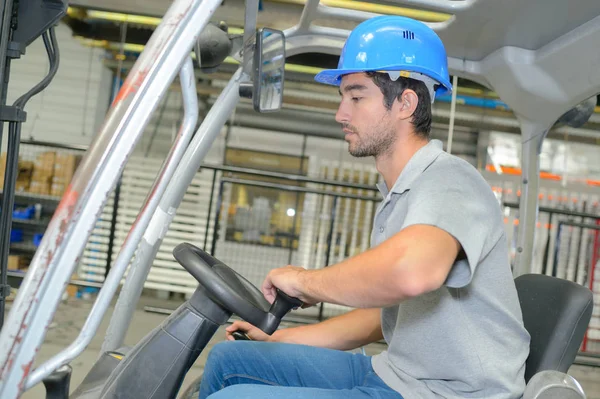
point(334, 77)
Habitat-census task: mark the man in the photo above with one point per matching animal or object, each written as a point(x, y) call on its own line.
point(436, 284)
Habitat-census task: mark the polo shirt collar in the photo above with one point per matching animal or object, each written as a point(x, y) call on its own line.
point(415, 166)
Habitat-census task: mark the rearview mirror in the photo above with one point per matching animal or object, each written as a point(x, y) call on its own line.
point(269, 64)
point(580, 114)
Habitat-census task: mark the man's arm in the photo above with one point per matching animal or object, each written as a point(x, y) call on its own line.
point(413, 262)
point(345, 332)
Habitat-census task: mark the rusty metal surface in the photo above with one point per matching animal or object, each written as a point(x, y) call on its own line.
point(82, 203)
point(133, 238)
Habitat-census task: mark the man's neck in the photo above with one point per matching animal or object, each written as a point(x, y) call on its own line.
point(391, 164)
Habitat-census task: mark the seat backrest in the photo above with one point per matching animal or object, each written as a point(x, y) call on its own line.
point(556, 314)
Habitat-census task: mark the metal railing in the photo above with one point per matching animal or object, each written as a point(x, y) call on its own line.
point(305, 226)
point(571, 250)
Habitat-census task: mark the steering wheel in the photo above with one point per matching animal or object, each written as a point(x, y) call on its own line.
point(232, 291)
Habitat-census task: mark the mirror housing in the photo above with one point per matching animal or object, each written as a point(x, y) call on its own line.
point(212, 47)
point(269, 67)
point(580, 114)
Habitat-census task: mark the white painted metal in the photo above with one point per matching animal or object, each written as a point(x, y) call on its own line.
point(76, 215)
point(529, 64)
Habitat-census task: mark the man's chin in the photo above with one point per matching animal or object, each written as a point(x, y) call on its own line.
point(357, 153)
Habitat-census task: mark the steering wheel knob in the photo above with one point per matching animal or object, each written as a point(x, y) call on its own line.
point(283, 304)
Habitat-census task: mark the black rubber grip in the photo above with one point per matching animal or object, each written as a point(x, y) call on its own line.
point(283, 304)
point(240, 336)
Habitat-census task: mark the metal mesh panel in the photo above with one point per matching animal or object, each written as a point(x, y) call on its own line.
point(566, 243)
point(266, 225)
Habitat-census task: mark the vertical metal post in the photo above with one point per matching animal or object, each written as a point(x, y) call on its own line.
point(329, 240)
point(170, 201)
point(295, 221)
point(591, 274)
point(6, 13)
point(556, 250)
point(73, 221)
point(548, 240)
point(249, 36)
point(8, 201)
point(217, 216)
point(578, 254)
point(567, 255)
point(532, 135)
point(113, 228)
point(210, 202)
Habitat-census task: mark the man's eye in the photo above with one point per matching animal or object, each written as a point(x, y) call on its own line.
point(356, 99)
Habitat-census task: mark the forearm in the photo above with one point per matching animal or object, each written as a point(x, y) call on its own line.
point(368, 280)
point(413, 262)
point(345, 332)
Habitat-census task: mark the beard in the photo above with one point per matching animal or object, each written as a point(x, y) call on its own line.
point(374, 144)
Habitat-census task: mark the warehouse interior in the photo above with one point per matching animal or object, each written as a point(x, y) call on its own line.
point(280, 188)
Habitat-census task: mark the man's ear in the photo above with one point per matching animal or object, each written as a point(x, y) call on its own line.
point(407, 104)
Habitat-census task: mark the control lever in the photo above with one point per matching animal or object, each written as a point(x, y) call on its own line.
point(57, 383)
point(239, 335)
point(283, 304)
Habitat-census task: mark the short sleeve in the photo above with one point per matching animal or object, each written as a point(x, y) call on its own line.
point(459, 204)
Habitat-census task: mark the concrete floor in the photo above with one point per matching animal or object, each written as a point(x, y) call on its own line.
point(71, 315)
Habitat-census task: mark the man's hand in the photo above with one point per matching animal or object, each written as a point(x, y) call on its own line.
point(254, 333)
point(289, 279)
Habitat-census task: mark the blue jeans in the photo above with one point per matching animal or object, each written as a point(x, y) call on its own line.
point(265, 370)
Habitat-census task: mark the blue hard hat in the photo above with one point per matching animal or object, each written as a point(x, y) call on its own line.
point(398, 45)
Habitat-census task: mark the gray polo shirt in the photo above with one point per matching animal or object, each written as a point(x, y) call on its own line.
point(466, 339)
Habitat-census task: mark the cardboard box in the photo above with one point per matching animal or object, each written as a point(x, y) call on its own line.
point(2, 169)
point(44, 166)
point(41, 180)
point(24, 173)
point(39, 187)
point(13, 262)
point(21, 186)
point(17, 262)
point(25, 169)
point(72, 289)
point(57, 189)
point(46, 159)
point(64, 167)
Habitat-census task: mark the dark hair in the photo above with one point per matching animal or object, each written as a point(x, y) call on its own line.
point(392, 90)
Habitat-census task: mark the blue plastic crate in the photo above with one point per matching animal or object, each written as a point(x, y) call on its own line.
point(16, 235)
point(37, 239)
point(24, 213)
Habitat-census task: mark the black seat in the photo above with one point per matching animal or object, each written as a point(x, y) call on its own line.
point(556, 314)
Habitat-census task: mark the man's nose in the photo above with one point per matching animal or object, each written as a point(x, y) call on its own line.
point(342, 115)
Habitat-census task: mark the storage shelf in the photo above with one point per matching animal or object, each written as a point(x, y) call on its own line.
point(31, 196)
point(15, 272)
point(32, 222)
point(23, 246)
